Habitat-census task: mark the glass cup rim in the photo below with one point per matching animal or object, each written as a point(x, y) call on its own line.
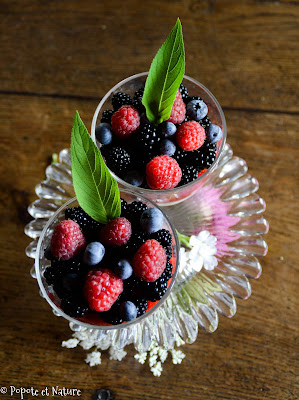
point(104, 327)
point(186, 185)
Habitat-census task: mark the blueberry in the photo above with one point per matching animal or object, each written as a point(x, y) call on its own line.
point(94, 253)
point(196, 109)
point(128, 310)
point(151, 220)
point(103, 133)
point(134, 177)
point(214, 133)
point(123, 269)
point(167, 147)
point(102, 394)
point(167, 129)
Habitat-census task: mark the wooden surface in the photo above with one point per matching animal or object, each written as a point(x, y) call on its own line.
point(59, 56)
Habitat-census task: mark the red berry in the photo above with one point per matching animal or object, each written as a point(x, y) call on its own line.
point(202, 172)
point(178, 111)
point(163, 172)
point(67, 240)
point(149, 261)
point(116, 232)
point(125, 121)
point(190, 135)
point(102, 288)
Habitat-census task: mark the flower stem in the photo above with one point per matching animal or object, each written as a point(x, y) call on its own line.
point(184, 240)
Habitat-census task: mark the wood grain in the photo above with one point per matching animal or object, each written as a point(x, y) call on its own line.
point(61, 56)
point(244, 51)
point(252, 356)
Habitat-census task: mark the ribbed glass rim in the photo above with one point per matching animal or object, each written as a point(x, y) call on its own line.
point(105, 327)
point(175, 189)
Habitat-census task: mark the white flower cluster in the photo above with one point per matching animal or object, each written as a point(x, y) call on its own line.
point(201, 253)
point(157, 356)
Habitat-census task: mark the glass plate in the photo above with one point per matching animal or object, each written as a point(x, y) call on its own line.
point(228, 206)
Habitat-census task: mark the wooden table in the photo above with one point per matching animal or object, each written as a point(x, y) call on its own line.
point(59, 56)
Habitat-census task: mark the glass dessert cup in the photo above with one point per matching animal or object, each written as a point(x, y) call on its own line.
point(92, 320)
point(178, 194)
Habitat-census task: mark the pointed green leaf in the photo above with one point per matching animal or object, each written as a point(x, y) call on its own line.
point(96, 190)
point(165, 76)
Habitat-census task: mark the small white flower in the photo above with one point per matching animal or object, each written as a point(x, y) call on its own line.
point(93, 358)
point(152, 360)
point(82, 334)
point(163, 353)
point(87, 344)
point(70, 344)
point(177, 356)
point(201, 254)
point(179, 341)
point(141, 357)
point(117, 354)
point(157, 369)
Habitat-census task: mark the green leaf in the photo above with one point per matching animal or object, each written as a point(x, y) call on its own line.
point(96, 190)
point(165, 76)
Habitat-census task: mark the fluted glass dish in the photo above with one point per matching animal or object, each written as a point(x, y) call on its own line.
point(216, 115)
point(92, 320)
point(228, 206)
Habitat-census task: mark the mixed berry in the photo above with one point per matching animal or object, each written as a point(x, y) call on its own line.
point(162, 156)
point(114, 271)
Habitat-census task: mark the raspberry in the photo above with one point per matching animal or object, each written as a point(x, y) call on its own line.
point(190, 135)
point(102, 288)
point(163, 172)
point(125, 121)
point(116, 232)
point(120, 99)
point(149, 261)
point(178, 111)
point(67, 240)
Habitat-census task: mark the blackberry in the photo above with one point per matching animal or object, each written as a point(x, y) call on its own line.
point(120, 99)
point(184, 92)
point(154, 291)
point(205, 156)
point(141, 304)
point(205, 122)
point(131, 287)
point(138, 94)
point(189, 174)
point(182, 156)
point(86, 223)
point(123, 206)
point(163, 236)
point(113, 315)
point(167, 274)
point(103, 394)
point(136, 240)
point(168, 251)
point(134, 210)
point(118, 159)
point(74, 307)
point(190, 98)
point(137, 102)
point(53, 275)
point(148, 139)
point(106, 117)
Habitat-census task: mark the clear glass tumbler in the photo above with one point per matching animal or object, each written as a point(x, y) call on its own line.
point(176, 195)
point(92, 320)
